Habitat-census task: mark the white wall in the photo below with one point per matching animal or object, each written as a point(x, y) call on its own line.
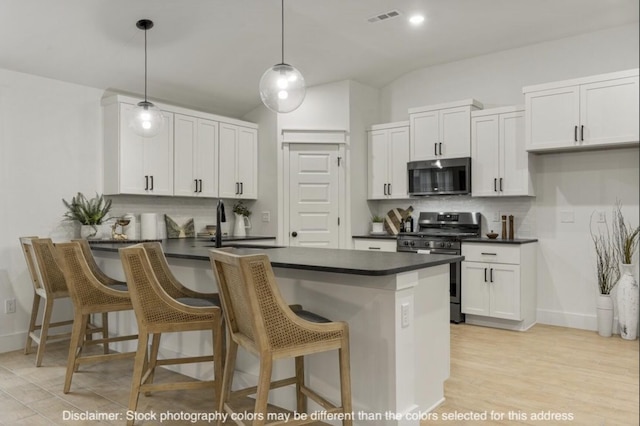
point(50, 148)
point(580, 182)
point(497, 79)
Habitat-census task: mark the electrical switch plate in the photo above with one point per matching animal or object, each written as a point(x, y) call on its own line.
point(266, 216)
point(405, 311)
point(10, 306)
point(566, 216)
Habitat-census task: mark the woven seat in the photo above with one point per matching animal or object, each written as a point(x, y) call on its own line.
point(49, 285)
point(158, 312)
point(89, 296)
point(259, 320)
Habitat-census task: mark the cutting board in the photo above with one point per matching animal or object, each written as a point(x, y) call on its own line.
point(394, 219)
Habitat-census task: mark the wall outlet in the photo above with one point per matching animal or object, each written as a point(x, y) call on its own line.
point(266, 216)
point(10, 306)
point(405, 312)
point(602, 217)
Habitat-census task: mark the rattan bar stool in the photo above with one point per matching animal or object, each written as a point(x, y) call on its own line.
point(49, 285)
point(156, 313)
point(89, 296)
point(259, 320)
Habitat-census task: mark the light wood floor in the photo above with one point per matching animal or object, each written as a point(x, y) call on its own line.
point(549, 370)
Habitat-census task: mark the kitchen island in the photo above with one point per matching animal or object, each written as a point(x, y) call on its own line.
point(396, 304)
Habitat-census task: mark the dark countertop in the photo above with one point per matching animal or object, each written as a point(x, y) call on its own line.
point(311, 259)
point(500, 240)
point(377, 236)
point(206, 239)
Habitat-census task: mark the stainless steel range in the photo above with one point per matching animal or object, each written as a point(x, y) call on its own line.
point(442, 233)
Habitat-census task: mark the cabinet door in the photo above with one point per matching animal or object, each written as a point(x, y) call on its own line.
point(185, 153)
point(378, 162)
point(131, 151)
point(247, 161)
point(206, 159)
point(485, 155)
point(514, 161)
point(552, 117)
point(475, 288)
point(228, 186)
point(455, 132)
point(609, 112)
point(505, 291)
point(425, 135)
point(397, 162)
point(158, 158)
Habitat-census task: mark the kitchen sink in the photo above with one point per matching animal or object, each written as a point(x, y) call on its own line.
point(250, 246)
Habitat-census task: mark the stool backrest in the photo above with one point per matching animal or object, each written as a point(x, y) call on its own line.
point(52, 278)
point(160, 267)
point(32, 265)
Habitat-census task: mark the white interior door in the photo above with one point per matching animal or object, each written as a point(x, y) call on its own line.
point(314, 195)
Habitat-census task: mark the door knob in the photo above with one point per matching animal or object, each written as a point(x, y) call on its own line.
point(294, 234)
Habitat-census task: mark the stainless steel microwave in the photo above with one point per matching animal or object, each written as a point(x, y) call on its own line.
point(440, 177)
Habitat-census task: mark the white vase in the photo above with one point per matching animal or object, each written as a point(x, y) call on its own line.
point(376, 227)
point(241, 225)
point(627, 299)
point(88, 232)
point(604, 311)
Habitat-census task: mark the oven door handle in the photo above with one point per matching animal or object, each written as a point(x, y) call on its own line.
point(436, 251)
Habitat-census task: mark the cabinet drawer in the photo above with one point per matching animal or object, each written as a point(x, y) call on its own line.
point(493, 253)
point(374, 244)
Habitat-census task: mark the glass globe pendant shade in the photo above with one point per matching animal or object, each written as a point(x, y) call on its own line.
point(146, 119)
point(282, 88)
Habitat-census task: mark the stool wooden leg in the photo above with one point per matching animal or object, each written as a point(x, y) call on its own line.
point(301, 399)
point(77, 335)
point(153, 358)
point(227, 379)
point(105, 331)
point(32, 322)
point(264, 384)
point(138, 371)
point(218, 359)
point(84, 327)
point(345, 380)
point(44, 331)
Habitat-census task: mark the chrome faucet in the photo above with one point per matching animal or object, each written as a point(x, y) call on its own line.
point(220, 217)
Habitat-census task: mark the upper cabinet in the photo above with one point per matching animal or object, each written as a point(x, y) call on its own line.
point(196, 154)
point(592, 112)
point(195, 157)
point(441, 131)
point(238, 164)
point(500, 165)
point(388, 157)
point(133, 164)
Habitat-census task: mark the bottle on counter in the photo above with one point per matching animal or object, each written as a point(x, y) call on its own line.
point(408, 224)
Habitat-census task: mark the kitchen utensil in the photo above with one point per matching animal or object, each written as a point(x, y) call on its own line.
point(492, 235)
point(394, 219)
point(511, 231)
point(504, 226)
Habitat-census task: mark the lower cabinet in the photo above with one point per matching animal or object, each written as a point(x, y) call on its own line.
point(374, 244)
point(499, 284)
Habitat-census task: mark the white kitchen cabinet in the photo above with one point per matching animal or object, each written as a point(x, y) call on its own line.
point(499, 284)
point(592, 112)
point(195, 157)
point(375, 244)
point(500, 165)
point(388, 156)
point(441, 131)
point(238, 162)
point(134, 164)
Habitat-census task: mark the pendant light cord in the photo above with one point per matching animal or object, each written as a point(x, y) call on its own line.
point(282, 23)
point(145, 64)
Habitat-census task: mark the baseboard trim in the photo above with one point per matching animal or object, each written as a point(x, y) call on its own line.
point(571, 320)
point(12, 342)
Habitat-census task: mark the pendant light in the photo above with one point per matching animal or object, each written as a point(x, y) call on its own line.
point(282, 87)
point(146, 119)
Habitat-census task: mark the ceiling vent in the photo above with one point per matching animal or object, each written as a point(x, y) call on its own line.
point(384, 16)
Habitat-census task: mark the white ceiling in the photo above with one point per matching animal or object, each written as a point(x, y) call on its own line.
point(210, 54)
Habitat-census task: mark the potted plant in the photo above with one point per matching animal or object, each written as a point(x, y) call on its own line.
point(376, 225)
point(89, 212)
point(607, 274)
point(242, 222)
point(625, 239)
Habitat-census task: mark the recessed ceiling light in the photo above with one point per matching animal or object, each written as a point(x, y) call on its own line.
point(416, 19)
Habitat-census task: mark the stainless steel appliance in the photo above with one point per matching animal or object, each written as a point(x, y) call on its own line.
point(440, 177)
point(442, 233)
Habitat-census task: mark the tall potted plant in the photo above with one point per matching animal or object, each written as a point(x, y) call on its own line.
point(607, 274)
point(89, 212)
point(625, 239)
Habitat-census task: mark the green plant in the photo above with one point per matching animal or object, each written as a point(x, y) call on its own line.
point(624, 235)
point(606, 257)
point(377, 219)
point(240, 208)
point(87, 211)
